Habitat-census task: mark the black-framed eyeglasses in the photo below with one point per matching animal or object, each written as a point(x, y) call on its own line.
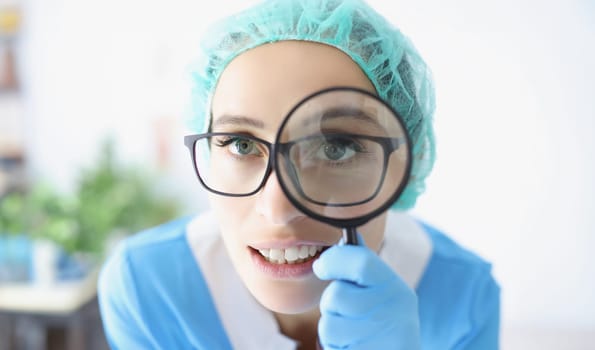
point(319, 165)
point(341, 155)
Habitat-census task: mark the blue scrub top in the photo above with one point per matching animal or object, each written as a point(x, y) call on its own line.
point(153, 295)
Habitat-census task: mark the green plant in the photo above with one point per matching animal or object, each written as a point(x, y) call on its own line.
point(109, 198)
point(114, 198)
point(12, 210)
point(40, 213)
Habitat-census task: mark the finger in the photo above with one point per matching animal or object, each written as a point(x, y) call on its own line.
point(336, 332)
point(388, 338)
point(387, 326)
point(357, 264)
point(351, 300)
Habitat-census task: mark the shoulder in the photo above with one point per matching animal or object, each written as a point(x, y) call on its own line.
point(458, 294)
point(146, 253)
point(169, 233)
point(453, 267)
point(152, 258)
point(151, 286)
point(447, 250)
point(141, 263)
point(142, 249)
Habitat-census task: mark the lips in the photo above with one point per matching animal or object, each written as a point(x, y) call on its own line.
point(290, 255)
point(286, 263)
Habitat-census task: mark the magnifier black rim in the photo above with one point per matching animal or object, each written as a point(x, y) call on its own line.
point(356, 221)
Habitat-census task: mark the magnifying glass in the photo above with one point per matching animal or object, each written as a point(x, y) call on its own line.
point(342, 156)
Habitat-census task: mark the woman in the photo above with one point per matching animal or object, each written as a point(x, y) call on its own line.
point(257, 273)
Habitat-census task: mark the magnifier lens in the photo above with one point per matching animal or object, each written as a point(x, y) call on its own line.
point(342, 154)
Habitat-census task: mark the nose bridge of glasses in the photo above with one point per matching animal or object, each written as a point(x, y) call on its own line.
point(274, 149)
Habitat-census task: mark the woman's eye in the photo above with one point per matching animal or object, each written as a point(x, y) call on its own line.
point(338, 149)
point(334, 151)
point(243, 147)
point(239, 146)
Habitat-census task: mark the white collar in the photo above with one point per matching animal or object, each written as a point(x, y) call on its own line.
point(407, 249)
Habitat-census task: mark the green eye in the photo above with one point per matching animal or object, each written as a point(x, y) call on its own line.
point(243, 147)
point(334, 151)
point(240, 146)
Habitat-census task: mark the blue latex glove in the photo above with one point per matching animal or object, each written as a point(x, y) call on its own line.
point(367, 306)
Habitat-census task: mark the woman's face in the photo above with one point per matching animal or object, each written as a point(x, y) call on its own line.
point(261, 86)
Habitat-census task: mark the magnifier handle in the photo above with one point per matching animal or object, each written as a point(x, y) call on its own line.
point(350, 236)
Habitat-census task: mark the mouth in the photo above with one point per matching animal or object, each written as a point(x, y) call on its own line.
point(291, 255)
point(289, 262)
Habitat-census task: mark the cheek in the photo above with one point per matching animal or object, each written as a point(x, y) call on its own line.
point(233, 214)
point(231, 211)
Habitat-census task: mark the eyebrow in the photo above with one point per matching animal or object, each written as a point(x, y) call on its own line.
point(342, 112)
point(228, 119)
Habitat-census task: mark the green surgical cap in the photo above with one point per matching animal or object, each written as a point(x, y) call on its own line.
point(386, 56)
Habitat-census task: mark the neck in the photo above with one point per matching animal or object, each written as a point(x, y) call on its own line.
point(300, 327)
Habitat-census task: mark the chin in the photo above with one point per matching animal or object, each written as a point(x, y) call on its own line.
point(289, 297)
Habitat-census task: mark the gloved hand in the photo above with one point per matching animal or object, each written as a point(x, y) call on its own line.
point(367, 306)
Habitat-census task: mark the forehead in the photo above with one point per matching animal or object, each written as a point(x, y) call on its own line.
point(261, 85)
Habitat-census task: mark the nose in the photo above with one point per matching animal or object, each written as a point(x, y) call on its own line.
point(272, 203)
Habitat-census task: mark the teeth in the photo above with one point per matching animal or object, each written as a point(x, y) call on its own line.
point(265, 252)
point(277, 255)
point(290, 255)
point(304, 252)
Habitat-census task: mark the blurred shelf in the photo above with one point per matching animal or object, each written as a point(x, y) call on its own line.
point(79, 330)
point(58, 316)
point(57, 298)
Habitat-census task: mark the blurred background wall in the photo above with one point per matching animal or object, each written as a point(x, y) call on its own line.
point(515, 114)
